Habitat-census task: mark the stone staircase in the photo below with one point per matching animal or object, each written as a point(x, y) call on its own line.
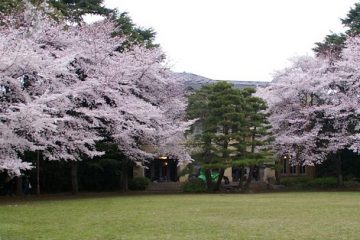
point(258, 186)
point(164, 187)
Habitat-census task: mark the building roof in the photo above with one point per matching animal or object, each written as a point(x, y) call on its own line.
point(193, 81)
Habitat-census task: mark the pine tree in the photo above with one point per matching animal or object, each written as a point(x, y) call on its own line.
point(334, 43)
point(75, 10)
point(228, 121)
point(258, 137)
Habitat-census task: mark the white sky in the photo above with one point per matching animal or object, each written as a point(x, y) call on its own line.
point(236, 39)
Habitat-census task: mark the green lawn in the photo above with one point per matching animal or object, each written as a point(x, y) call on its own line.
point(308, 215)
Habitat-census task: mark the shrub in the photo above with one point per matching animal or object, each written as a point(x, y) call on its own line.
point(294, 181)
point(305, 182)
point(194, 185)
point(352, 184)
point(139, 183)
point(326, 182)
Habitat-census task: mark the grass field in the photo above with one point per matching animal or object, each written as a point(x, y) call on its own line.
point(308, 215)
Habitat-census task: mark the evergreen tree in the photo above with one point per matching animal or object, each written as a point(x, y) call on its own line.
point(334, 42)
point(75, 10)
point(228, 122)
point(352, 20)
point(258, 137)
point(72, 10)
point(134, 34)
point(331, 47)
point(9, 6)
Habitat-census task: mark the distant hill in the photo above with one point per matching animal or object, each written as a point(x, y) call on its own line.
point(193, 81)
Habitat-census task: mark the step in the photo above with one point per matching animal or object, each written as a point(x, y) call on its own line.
point(164, 187)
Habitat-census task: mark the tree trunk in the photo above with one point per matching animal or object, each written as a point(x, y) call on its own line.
point(74, 178)
point(19, 189)
point(340, 180)
point(38, 173)
point(208, 180)
point(253, 140)
point(218, 182)
point(277, 176)
point(241, 180)
point(251, 170)
point(248, 180)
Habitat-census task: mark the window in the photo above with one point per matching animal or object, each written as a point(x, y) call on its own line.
point(302, 169)
point(293, 169)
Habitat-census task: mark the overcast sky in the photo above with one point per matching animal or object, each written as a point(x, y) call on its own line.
point(236, 39)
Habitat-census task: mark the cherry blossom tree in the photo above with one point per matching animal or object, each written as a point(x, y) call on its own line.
point(314, 107)
point(30, 74)
point(76, 88)
point(292, 98)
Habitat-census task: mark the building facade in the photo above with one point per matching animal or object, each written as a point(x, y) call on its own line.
point(164, 169)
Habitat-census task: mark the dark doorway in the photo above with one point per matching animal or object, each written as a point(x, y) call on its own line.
point(162, 170)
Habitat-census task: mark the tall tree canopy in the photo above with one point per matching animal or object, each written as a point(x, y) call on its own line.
point(335, 42)
point(75, 10)
point(229, 130)
point(315, 107)
point(62, 88)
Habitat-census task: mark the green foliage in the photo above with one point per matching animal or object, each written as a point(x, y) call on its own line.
point(218, 108)
point(310, 183)
point(293, 181)
point(352, 20)
point(352, 184)
point(194, 185)
point(350, 166)
point(10, 6)
point(329, 182)
point(331, 46)
point(231, 129)
point(189, 169)
point(139, 183)
point(334, 43)
point(104, 173)
point(135, 35)
point(253, 159)
point(74, 10)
